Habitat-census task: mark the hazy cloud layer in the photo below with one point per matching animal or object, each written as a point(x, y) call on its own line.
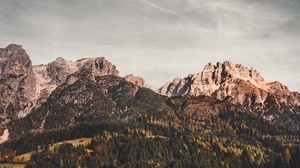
point(160, 39)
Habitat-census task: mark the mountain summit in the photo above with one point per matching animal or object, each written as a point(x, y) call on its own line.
point(234, 83)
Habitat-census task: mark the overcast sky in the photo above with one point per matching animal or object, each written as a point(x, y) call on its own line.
point(160, 39)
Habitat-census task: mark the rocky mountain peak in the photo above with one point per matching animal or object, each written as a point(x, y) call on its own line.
point(60, 59)
point(14, 60)
point(235, 82)
point(17, 83)
point(98, 67)
point(55, 73)
point(136, 80)
point(277, 87)
point(7, 51)
point(228, 70)
point(211, 78)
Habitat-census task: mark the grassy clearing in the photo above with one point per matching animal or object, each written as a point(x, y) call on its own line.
point(11, 165)
point(75, 142)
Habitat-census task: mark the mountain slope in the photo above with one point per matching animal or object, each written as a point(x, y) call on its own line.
point(141, 127)
point(83, 98)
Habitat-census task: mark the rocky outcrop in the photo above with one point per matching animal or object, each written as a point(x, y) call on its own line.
point(138, 81)
point(17, 83)
point(234, 83)
point(96, 67)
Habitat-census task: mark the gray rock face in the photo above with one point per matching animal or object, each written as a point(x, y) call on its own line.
point(234, 83)
point(17, 83)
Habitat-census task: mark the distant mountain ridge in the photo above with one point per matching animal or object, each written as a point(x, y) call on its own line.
point(237, 84)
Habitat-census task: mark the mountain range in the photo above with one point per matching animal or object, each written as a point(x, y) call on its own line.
point(224, 100)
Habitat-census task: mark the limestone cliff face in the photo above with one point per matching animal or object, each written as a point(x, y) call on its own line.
point(17, 83)
point(234, 83)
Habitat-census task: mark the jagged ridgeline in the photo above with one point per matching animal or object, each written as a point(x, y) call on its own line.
point(83, 114)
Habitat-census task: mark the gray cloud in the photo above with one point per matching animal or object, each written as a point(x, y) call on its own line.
point(160, 39)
